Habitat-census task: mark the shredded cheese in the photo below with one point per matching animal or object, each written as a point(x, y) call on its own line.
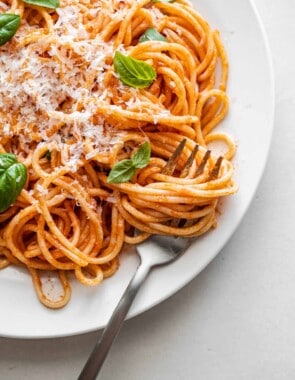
point(37, 78)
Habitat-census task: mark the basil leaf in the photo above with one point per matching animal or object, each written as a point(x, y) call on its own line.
point(123, 171)
point(47, 155)
point(132, 72)
point(6, 160)
point(151, 34)
point(7, 190)
point(18, 172)
point(142, 157)
point(13, 176)
point(44, 3)
point(9, 23)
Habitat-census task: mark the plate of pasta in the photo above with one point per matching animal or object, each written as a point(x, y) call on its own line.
point(95, 97)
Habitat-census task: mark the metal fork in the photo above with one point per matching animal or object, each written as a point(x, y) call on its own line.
point(158, 250)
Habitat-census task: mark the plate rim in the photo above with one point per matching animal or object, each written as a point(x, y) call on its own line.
point(186, 280)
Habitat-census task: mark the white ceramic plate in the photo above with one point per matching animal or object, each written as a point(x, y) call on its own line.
point(250, 121)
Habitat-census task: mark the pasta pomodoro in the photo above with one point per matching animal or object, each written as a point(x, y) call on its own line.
point(84, 85)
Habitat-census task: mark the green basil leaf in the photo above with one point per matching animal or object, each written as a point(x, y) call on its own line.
point(7, 191)
point(9, 23)
point(132, 72)
point(6, 160)
point(142, 157)
point(44, 3)
point(19, 173)
point(13, 176)
point(47, 155)
point(123, 171)
point(151, 34)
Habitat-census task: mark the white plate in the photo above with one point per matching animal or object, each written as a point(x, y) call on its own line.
point(250, 121)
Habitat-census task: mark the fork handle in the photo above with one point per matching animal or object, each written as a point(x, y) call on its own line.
point(102, 347)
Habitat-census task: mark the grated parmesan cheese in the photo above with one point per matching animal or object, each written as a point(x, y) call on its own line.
point(42, 190)
point(44, 86)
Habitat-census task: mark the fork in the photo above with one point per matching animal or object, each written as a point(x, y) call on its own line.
point(158, 250)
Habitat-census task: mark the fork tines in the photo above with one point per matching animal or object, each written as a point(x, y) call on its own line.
point(189, 162)
point(173, 160)
point(215, 171)
point(203, 163)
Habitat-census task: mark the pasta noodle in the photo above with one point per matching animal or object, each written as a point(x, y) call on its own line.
point(67, 116)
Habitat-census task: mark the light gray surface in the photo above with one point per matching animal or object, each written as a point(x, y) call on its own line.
point(236, 320)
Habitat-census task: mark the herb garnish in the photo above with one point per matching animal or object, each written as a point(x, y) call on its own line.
point(44, 3)
point(132, 72)
point(13, 176)
point(151, 34)
point(9, 23)
point(47, 155)
point(124, 170)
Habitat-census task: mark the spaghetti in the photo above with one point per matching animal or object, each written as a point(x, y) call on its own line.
point(67, 116)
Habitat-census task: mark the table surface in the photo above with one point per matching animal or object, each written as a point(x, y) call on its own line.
point(235, 321)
